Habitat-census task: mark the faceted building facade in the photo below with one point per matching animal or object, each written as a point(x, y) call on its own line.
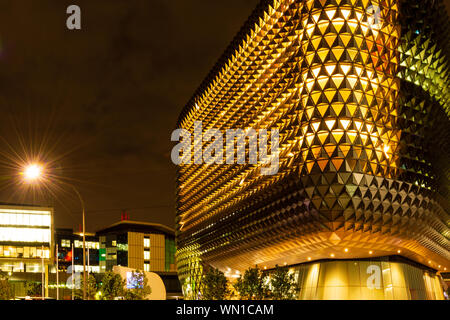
point(358, 90)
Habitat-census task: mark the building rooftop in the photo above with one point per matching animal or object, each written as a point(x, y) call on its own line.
point(69, 231)
point(23, 205)
point(137, 226)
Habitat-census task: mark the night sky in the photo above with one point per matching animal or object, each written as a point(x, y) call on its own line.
point(100, 104)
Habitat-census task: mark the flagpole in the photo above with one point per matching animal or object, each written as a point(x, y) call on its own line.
point(88, 266)
point(73, 267)
point(43, 276)
point(57, 273)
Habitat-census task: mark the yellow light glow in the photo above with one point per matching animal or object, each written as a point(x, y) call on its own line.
point(16, 234)
point(346, 249)
point(386, 150)
point(24, 211)
point(33, 172)
point(371, 252)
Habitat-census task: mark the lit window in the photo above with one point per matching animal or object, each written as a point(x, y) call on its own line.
point(146, 267)
point(147, 242)
point(146, 255)
point(24, 234)
point(65, 243)
point(13, 217)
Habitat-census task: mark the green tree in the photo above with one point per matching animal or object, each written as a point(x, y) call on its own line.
point(283, 284)
point(240, 288)
point(33, 289)
point(215, 285)
point(141, 288)
point(253, 285)
point(113, 286)
point(91, 288)
point(6, 292)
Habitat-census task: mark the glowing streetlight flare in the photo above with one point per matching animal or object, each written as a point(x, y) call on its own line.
point(32, 172)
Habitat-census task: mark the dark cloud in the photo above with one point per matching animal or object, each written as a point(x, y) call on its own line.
point(107, 97)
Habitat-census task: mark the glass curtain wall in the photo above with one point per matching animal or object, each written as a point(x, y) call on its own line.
point(366, 280)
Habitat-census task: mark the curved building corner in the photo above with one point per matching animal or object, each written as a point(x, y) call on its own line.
point(358, 90)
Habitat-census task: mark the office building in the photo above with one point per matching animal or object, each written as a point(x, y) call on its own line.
point(66, 239)
point(144, 246)
point(139, 245)
point(26, 244)
point(30, 245)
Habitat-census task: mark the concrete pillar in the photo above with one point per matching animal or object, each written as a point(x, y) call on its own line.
point(46, 279)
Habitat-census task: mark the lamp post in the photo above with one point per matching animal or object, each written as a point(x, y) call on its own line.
point(84, 242)
point(32, 173)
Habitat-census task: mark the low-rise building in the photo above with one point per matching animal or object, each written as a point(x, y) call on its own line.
point(139, 245)
point(68, 240)
point(32, 250)
point(26, 244)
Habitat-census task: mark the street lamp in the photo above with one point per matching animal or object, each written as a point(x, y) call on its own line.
point(33, 173)
point(84, 242)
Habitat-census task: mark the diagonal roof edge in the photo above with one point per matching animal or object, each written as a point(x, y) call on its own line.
point(237, 40)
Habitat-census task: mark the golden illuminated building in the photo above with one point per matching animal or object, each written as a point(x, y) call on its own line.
point(359, 92)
